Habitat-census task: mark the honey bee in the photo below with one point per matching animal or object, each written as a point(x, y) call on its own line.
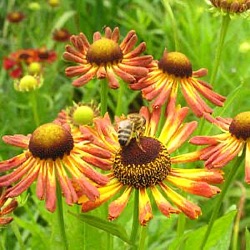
point(132, 127)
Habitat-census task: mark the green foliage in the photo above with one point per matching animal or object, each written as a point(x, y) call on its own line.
point(114, 229)
point(219, 239)
point(247, 235)
point(193, 31)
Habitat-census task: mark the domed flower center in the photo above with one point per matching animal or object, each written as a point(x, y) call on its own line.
point(15, 17)
point(232, 6)
point(61, 35)
point(240, 126)
point(43, 54)
point(104, 51)
point(50, 141)
point(82, 115)
point(175, 63)
point(144, 165)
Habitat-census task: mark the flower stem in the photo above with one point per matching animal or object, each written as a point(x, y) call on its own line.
point(231, 176)
point(238, 216)
point(170, 15)
point(60, 218)
point(181, 225)
point(104, 97)
point(16, 232)
point(224, 27)
point(33, 102)
point(135, 225)
point(161, 121)
point(142, 240)
point(120, 101)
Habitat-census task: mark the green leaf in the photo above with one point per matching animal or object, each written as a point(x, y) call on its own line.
point(219, 239)
point(63, 19)
point(35, 230)
point(220, 235)
point(247, 236)
point(104, 225)
point(59, 24)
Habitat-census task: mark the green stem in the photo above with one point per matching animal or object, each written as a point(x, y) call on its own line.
point(224, 27)
point(104, 97)
point(235, 237)
point(181, 225)
point(1, 245)
point(142, 240)
point(231, 176)
point(16, 231)
point(161, 121)
point(173, 23)
point(135, 225)
point(60, 218)
point(120, 101)
point(83, 228)
point(33, 102)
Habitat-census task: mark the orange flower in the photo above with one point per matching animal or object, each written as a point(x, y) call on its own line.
point(165, 76)
point(61, 35)
point(51, 154)
point(146, 164)
point(15, 17)
point(17, 61)
point(105, 58)
point(45, 55)
point(231, 6)
point(6, 208)
point(225, 147)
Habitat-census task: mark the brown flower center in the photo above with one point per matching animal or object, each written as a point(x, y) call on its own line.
point(232, 6)
point(51, 141)
point(43, 54)
point(104, 51)
point(144, 167)
point(61, 35)
point(240, 126)
point(175, 63)
point(15, 17)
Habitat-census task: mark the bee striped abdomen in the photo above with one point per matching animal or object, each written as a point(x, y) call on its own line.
point(125, 132)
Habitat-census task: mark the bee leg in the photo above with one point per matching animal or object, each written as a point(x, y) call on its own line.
point(139, 144)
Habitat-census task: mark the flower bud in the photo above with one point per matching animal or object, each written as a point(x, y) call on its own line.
point(83, 115)
point(35, 68)
point(28, 83)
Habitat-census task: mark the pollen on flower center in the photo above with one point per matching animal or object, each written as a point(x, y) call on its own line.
point(104, 51)
point(240, 126)
point(144, 165)
point(175, 63)
point(50, 141)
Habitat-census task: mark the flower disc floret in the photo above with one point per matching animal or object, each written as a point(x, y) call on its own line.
point(104, 51)
point(175, 63)
point(15, 17)
point(142, 166)
point(27, 83)
point(50, 141)
point(35, 68)
point(232, 6)
point(240, 126)
point(83, 115)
